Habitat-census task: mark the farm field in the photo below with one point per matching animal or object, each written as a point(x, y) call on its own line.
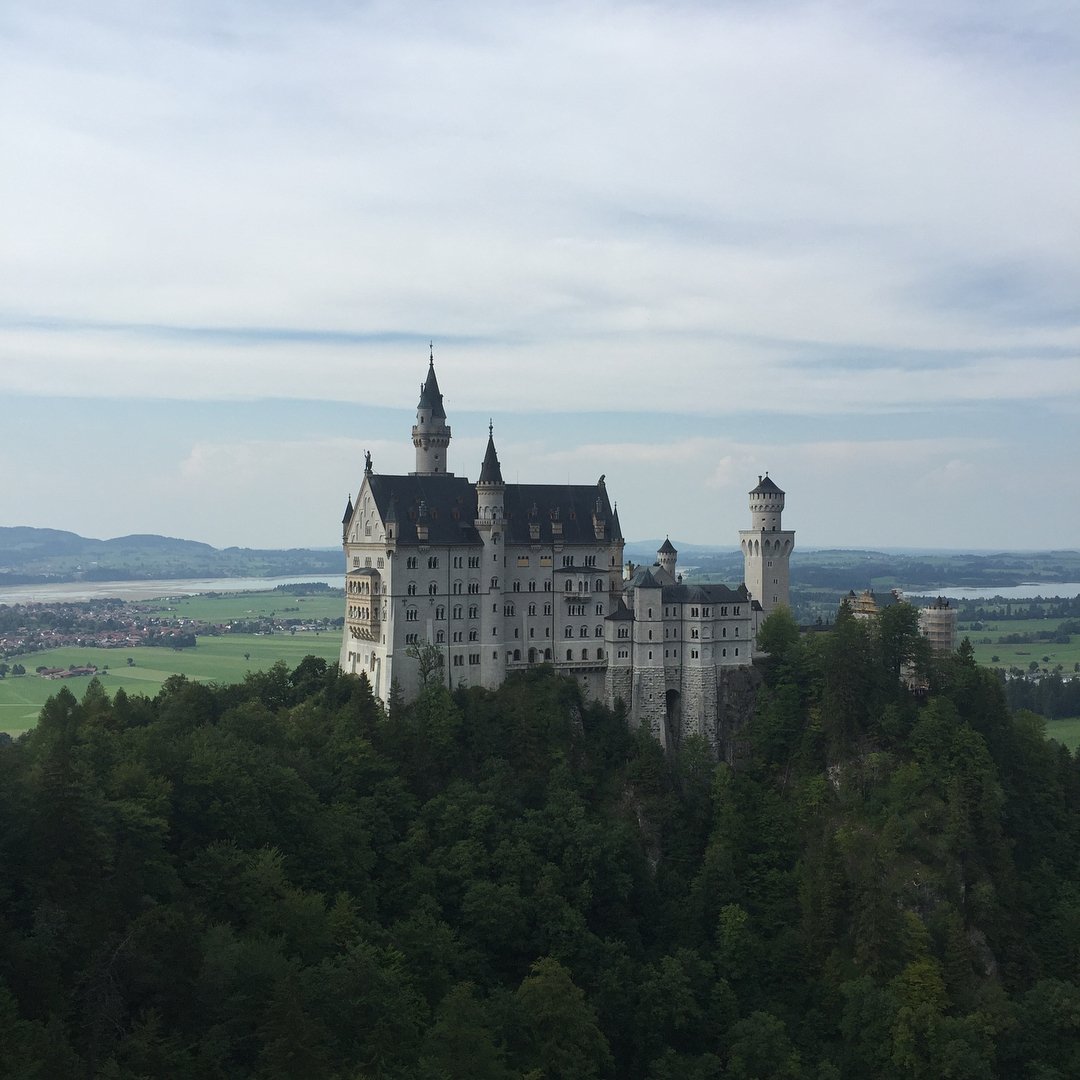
point(1021, 655)
point(224, 607)
point(214, 659)
point(1067, 732)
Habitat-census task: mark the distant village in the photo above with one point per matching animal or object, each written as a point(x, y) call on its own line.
point(115, 624)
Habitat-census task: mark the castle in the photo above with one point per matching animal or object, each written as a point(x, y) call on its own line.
point(503, 576)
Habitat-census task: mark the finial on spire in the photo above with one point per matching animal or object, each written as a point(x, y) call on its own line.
point(431, 357)
point(491, 427)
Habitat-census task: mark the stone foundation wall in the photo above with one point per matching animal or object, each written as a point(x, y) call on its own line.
point(649, 705)
point(699, 703)
point(619, 684)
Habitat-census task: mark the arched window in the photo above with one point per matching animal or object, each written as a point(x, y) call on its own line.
point(599, 631)
point(599, 654)
point(411, 590)
point(584, 632)
point(584, 654)
point(440, 613)
point(569, 585)
point(457, 611)
point(547, 654)
point(569, 631)
point(432, 588)
point(517, 654)
point(569, 654)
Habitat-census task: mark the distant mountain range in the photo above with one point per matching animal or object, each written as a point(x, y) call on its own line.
point(35, 556)
point(31, 556)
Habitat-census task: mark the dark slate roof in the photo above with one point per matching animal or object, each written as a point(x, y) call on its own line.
point(490, 471)
point(766, 487)
point(348, 513)
point(574, 505)
point(705, 594)
point(643, 579)
point(442, 496)
point(667, 549)
point(430, 398)
point(361, 571)
point(620, 614)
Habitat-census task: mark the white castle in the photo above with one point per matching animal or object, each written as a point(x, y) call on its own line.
point(504, 576)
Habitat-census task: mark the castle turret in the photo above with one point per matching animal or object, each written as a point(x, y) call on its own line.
point(490, 488)
point(767, 547)
point(431, 433)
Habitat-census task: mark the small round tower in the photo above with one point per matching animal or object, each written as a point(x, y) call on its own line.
point(766, 506)
point(490, 489)
point(431, 433)
point(667, 556)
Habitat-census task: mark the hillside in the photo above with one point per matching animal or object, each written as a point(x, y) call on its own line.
point(275, 879)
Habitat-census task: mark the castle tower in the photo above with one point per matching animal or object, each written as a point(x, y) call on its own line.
point(667, 556)
point(767, 547)
point(431, 433)
point(490, 488)
point(491, 525)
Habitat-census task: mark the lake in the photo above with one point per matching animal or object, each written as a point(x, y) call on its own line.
point(81, 591)
point(1047, 590)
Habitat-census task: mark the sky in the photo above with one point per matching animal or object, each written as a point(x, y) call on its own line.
point(676, 243)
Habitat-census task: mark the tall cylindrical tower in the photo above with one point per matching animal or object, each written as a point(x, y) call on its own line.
point(767, 547)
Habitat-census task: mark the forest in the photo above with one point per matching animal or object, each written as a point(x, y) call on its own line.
point(279, 879)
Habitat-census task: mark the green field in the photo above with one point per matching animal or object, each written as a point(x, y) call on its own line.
point(214, 659)
point(1067, 732)
point(225, 607)
point(1021, 655)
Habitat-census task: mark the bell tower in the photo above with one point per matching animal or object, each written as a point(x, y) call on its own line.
point(767, 547)
point(431, 433)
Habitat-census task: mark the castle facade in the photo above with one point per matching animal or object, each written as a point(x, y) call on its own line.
point(502, 576)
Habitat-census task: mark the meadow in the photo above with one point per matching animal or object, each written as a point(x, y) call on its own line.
point(1021, 655)
point(224, 659)
point(225, 607)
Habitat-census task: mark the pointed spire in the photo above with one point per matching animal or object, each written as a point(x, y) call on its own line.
point(348, 513)
point(491, 471)
point(616, 528)
point(430, 398)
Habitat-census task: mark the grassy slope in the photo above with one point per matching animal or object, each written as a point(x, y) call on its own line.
point(1021, 655)
point(215, 659)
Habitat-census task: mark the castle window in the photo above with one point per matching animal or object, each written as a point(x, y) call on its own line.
point(723, 652)
point(494, 656)
point(650, 657)
point(457, 588)
point(474, 658)
point(548, 609)
point(440, 613)
point(517, 654)
point(411, 590)
point(547, 586)
point(650, 613)
point(736, 631)
point(508, 609)
point(723, 632)
point(705, 612)
point(474, 587)
point(623, 654)
point(367, 561)
point(474, 611)
point(723, 611)
point(474, 635)
point(517, 586)
point(735, 610)
point(494, 582)
point(569, 654)
point(693, 613)
point(532, 609)
point(523, 560)
point(693, 654)
point(532, 631)
point(599, 587)
point(440, 636)
point(432, 588)
point(458, 637)
point(474, 564)
point(356, 560)
point(532, 586)
point(736, 652)
point(545, 560)
point(599, 609)
point(568, 560)
point(569, 632)
point(624, 631)
point(547, 654)
point(599, 654)
point(412, 639)
point(693, 633)
point(457, 562)
point(599, 631)
point(569, 585)
point(650, 635)
point(590, 560)
point(433, 562)
point(412, 615)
